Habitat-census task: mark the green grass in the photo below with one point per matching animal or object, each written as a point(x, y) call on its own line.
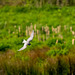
point(23, 16)
point(42, 57)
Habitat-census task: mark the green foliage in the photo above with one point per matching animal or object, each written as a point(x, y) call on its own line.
point(4, 45)
point(36, 59)
point(57, 52)
point(25, 15)
point(60, 46)
point(63, 66)
point(52, 41)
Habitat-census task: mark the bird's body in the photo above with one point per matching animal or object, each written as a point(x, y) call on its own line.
point(27, 42)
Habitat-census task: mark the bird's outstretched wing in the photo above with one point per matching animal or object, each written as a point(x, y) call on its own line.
point(31, 36)
point(22, 48)
point(27, 42)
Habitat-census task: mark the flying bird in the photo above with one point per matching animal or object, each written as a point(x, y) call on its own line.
point(28, 41)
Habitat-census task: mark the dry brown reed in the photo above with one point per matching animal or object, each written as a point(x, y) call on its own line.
point(15, 26)
point(56, 41)
point(12, 63)
point(35, 27)
point(60, 36)
point(13, 32)
point(73, 32)
point(38, 53)
point(56, 30)
point(52, 29)
point(30, 32)
point(26, 32)
point(73, 41)
point(38, 35)
point(59, 28)
point(65, 27)
point(71, 28)
point(37, 32)
point(48, 33)
point(46, 29)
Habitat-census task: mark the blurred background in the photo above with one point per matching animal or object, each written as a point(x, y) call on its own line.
point(37, 3)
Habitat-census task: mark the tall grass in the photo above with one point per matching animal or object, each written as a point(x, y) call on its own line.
point(36, 62)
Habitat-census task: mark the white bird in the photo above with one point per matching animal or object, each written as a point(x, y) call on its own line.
point(27, 42)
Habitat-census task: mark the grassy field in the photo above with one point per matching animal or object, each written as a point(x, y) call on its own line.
point(50, 53)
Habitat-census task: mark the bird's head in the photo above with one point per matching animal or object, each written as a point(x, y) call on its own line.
point(24, 41)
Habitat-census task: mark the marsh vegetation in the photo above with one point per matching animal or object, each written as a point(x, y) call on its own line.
point(52, 51)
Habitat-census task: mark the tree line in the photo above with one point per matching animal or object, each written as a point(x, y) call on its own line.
point(37, 3)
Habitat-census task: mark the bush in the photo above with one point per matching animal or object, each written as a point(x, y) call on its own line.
point(52, 41)
point(57, 52)
point(4, 46)
point(63, 66)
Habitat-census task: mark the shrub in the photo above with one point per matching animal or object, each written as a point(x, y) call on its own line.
point(57, 52)
point(4, 46)
point(63, 66)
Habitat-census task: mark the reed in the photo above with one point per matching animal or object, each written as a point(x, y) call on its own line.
point(59, 28)
point(26, 32)
point(30, 32)
point(35, 27)
point(71, 28)
point(56, 41)
point(65, 27)
point(56, 30)
point(15, 26)
point(37, 32)
point(13, 32)
point(46, 29)
point(73, 41)
point(60, 36)
point(73, 32)
point(52, 29)
point(48, 33)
